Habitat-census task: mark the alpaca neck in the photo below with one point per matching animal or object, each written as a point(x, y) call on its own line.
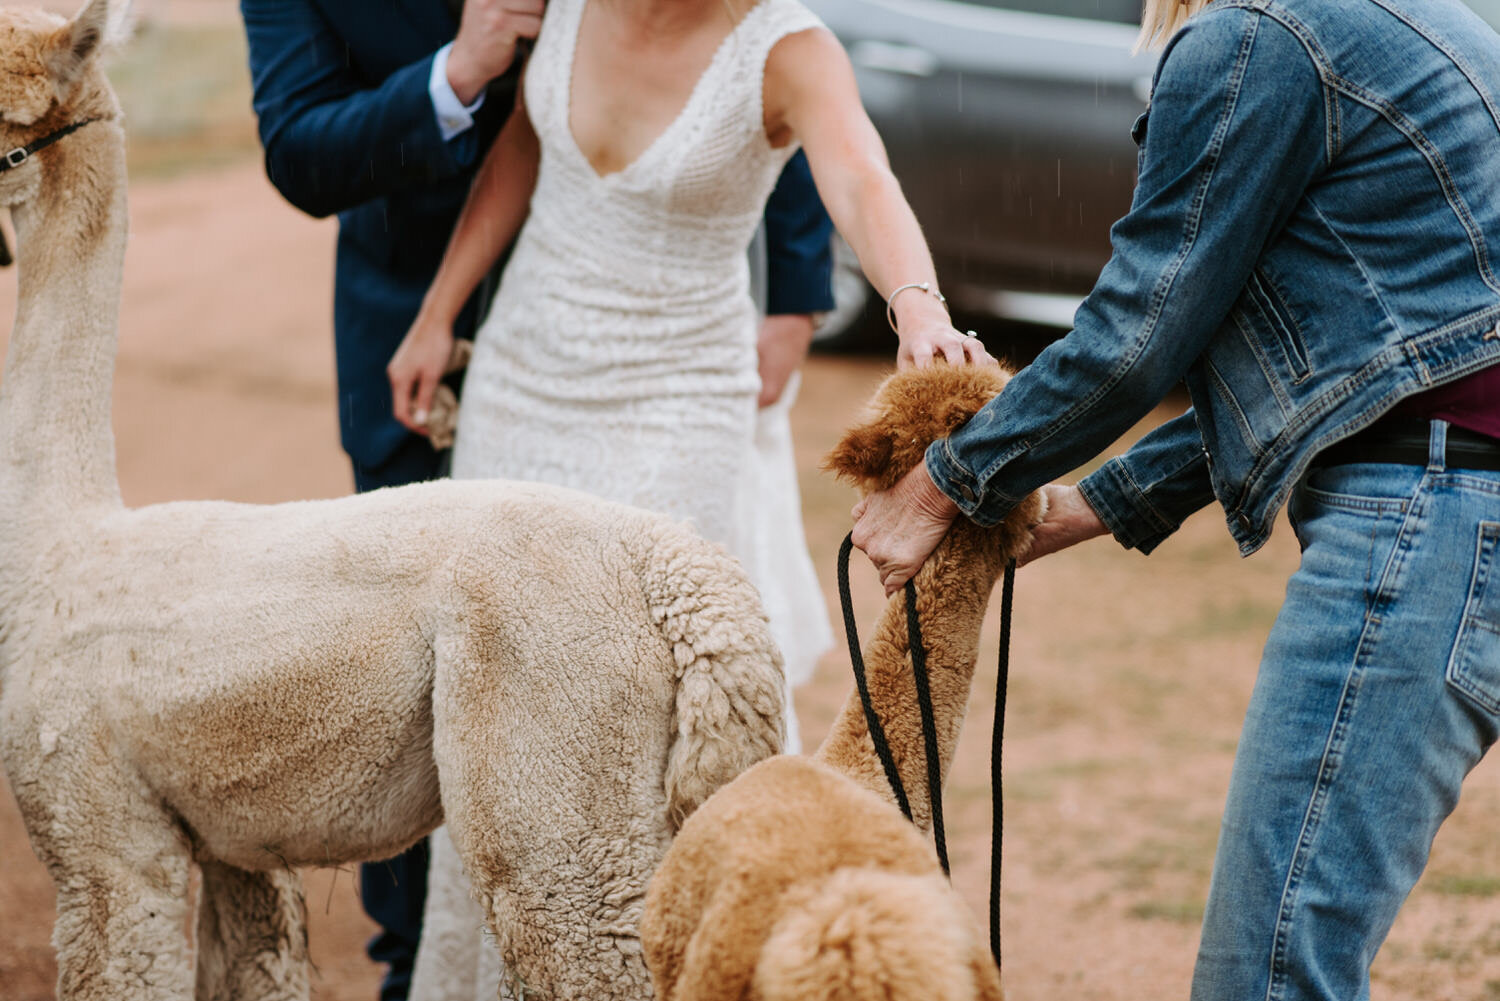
point(952, 592)
point(56, 443)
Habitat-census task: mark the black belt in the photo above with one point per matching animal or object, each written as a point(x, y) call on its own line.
point(1404, 441)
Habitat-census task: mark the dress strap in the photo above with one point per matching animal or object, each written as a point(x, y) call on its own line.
point(770, 21)
point(548, 68)
point(767, 23)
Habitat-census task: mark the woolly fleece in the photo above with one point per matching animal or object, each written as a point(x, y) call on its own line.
point(800, 880)
point(257, 688)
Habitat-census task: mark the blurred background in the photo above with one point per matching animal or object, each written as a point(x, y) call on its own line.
point(1008, 122)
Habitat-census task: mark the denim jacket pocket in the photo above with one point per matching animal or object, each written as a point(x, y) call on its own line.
point(1474, 668)
point(1271, 317)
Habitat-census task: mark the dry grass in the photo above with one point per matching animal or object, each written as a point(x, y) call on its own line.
point(185, 89)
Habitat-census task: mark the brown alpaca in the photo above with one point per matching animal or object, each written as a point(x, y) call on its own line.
point(800, 881)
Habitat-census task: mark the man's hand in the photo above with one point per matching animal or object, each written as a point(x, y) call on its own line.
point(900, 527)
point(1069, 520)
point(486, 42)
point(782, 347)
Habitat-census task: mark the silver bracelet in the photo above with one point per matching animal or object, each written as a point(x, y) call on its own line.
point(890, 312)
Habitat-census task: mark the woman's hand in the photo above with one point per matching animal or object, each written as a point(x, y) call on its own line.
point(941, 340)
point(782, 348)
point(415, 369)
point(924, 329)
point(1068, 520)
point(900, 527)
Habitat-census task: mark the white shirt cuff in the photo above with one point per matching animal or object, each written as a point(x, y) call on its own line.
point(453, 116)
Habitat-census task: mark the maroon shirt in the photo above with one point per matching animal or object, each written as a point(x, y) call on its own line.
point(1472, 402)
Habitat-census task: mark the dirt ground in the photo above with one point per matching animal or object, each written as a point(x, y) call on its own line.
point(1129, 676)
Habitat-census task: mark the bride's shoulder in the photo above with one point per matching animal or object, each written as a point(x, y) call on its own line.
point(803, 51)
point(806, 69)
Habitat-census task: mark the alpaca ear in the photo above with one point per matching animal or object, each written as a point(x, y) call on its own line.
point(75, 45)
point(863, 454)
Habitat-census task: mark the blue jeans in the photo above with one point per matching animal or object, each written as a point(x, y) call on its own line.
point(1378, 692)
point(393, 893)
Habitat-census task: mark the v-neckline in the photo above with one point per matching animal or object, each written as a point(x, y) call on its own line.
point(682, 113)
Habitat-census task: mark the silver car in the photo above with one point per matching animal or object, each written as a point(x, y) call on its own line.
point(1008, 124)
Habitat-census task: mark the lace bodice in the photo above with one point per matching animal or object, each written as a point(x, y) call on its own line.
point(619, 354)
point(692, 199)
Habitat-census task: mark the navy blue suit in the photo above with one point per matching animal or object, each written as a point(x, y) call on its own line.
point(348, 127)
point(347, 122)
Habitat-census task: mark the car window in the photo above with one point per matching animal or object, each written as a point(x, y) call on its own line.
point(1487, 9)
point(1123, 11)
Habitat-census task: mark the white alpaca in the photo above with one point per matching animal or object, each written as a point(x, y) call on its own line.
point(256, 688)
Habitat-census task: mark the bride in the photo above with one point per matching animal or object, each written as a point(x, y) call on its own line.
point(619, 355)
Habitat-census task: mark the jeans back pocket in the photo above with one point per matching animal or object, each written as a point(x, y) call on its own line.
point(1474, 668)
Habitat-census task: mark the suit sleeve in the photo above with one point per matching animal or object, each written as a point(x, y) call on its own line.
point(799, 259)
point(331, 140)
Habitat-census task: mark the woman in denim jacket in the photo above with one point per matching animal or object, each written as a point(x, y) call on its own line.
point(1314, 248)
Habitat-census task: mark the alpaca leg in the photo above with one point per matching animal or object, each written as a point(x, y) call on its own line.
point(252, 935)
point(562, 891)
point(119, 934)
point(570, 935)
point(554, 794)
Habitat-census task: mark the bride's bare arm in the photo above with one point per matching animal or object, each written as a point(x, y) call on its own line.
point(811, 95)
point(496, 207)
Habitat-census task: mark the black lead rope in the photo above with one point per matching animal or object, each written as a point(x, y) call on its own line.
point(929, 724)
point(997, 740)
point(20, 155)
point(857, 657)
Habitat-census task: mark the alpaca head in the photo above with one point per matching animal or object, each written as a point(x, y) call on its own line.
point(909, 411)
point(50, 79)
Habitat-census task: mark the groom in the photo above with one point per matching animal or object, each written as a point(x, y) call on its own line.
point(381, 112)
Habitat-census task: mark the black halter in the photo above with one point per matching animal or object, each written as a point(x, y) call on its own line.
point(21, 154)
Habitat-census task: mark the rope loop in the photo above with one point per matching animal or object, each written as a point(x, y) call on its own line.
point(857, 658)
point(920, 676)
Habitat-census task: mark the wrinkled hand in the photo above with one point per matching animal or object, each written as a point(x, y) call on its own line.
point(900, 527)
point(486, 42)
point(1069, 520)
point(782, 347)
point(415, 369)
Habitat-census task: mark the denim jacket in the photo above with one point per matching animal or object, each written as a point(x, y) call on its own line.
point(1315, 235)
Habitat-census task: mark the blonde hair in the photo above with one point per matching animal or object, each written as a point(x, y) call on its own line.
point(1161, 19)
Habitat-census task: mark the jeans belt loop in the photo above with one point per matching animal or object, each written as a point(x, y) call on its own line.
point(1437, 445)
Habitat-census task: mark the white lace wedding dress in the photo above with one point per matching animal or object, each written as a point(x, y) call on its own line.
point(619, 358)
